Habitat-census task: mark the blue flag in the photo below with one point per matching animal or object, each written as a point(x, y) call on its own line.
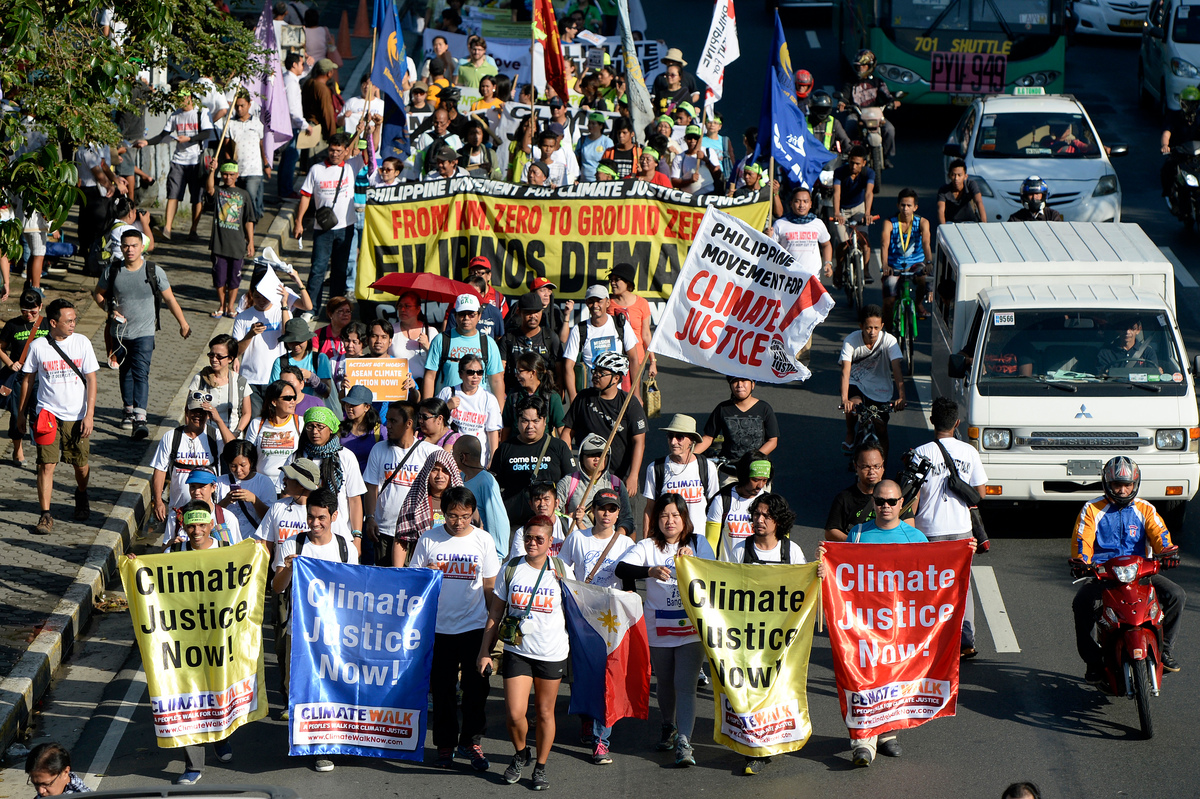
point(782, 129)
point(362, 649)
point(391, 62)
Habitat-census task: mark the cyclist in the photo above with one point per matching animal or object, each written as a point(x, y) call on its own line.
point(1182, 126)
point(1034, 193)
point(905, 248)
point(853, 193)
point(870, 360)
point(824, 125)
point(867, 90)
point(1110, 526)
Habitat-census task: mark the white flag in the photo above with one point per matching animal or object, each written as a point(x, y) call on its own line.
point(641, 110)
point(720, 51)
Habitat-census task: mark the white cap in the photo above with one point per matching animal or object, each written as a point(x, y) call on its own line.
point(599, 291)
point(466, 302)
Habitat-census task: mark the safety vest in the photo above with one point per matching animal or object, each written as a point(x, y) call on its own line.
point(827, 136)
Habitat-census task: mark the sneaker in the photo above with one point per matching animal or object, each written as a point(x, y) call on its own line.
point(188, 778)
point(600, 754)
point(127, 421)
point(1169, 663)
point(224, 751)
point(755, 765)
point(83, 508)
point(862, 756)
point(323, 765)
point(520, 760)
point(702, 681)
point(666, 741)
point(683, 752)
point(891, 748)
point(587, 736)
point(540, 783)
point(475, 754)
point(140, 430)
point(45, 524)
point(445, 758)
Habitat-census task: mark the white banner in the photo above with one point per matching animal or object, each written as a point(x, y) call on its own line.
point(741, 305)
point(720, 50)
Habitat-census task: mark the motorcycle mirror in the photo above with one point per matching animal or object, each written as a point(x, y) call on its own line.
point(900, 94)
point(956, 365)
point(1118, 149)
point(952, 150)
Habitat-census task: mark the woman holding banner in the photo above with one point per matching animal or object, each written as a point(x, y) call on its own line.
point(675, 649)
point(535, 645)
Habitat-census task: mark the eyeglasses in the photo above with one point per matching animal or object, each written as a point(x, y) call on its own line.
point(288, 398)
point(201, 396)
point(215, 356)
point(889, 501)
point(46, 785)
point(425, 417)
point(472, 372)
point(675, 436)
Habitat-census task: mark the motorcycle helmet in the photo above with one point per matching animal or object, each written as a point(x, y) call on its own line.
point(1121, 471)
point(864, 58)
point(820, 106)
point(804, 83)
point(1189, 101)
point(614, 362)
point(1034, 185)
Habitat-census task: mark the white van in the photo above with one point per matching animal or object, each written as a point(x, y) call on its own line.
point(1060, 344)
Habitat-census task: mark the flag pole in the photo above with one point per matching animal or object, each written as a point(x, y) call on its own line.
point(771, 189)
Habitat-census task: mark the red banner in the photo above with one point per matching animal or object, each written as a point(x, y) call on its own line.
point(895, 621)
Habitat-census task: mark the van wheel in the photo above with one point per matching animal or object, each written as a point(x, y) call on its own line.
point(1173, 512)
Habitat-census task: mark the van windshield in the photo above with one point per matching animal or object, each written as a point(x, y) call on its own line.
point(1096, 352)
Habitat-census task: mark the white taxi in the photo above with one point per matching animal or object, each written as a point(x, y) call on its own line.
point(1005, 138)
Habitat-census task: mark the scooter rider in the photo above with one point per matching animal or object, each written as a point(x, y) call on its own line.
point(824, 125)
point(1182, 126)
point(865, 91)
point(1110, 526)
point(804, 87)
point(1034, 193)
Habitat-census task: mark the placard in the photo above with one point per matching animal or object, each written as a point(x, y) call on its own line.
point(386, 377)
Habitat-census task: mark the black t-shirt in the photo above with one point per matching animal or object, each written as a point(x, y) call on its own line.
point(959, 209)
point(513, 466)
point(1048, 214)
point(232, 210)
point(591, 413)
point(515, 343)
point(13, 337)
point(744, 431)
point(850, 507)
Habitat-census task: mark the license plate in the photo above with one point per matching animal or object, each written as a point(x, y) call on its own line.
point(1132, 24)
point(968, 73)
point(1084, 468)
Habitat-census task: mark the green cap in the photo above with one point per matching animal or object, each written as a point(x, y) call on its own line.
point(650, 151)
point(198, 517)
point(1190, 93)
point(693, 130)
point(228, 167)
point(760, 468)
point(686, 106)
point(322, 415)
point(753, 167)
point(607, 170)
point(596, 116)
point(665, 118)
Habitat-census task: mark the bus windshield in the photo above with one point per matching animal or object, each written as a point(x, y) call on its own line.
point(1015, 16)
point(922, 14)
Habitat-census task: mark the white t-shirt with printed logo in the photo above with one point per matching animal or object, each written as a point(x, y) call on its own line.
point(264, 349)
point(600, 340)
point(772, 555)
point(939, 512)
point(545, 628)
point(871, 367)
point(465, 562)
point(321, 184)
point(275, 445)
point(685, 480)
point(382, 461)
point(738, 520)
point(192, 452)
point(667, 623)
point(60, 391)
point(283, 520)
point(477, 414)
point(802, 241)
point(330, 552)
point(190, 124)
point(582, 551)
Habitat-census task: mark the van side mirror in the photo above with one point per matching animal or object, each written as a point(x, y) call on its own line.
point(1118, 149)
point(952, 150)
point(1196, 368)
point(956, 366)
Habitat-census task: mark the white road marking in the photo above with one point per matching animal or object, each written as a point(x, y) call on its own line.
point(812, 40)
point(988, 592)
point(116, 729)
point(924, 397)
point(1181, 273)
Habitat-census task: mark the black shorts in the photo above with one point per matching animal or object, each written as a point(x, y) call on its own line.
point(185, 179)
point(856, 392)
point(521, 666)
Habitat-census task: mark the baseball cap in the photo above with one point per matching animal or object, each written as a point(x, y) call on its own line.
point(358, 395)
point(195, 401)
point(592, 444)
point(686, 106)
point(530, 303)
point(596, 116)
point(692, 130)
point(555, 102)
point(606, 496)
point(479, 261)
point(419, 86)
point(447, 153)
point(228, 167)
point(599, 291)
point(326, 65)
point(556, 128)
point(304, 472)
point(540, 282)
point(466, 302)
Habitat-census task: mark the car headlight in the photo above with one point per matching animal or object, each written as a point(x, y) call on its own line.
point(1043, 78)
point(897, 74)
point(1184, 69)
point(1173, 438)
point(984, 188)
point(1106, 185)
point(1126, 574)
point(996, 438)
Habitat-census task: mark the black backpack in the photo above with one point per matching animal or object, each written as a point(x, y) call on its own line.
point(343, 550)
point(483, 347)
point(177, 439)
point(111, 280)
point(660, 470)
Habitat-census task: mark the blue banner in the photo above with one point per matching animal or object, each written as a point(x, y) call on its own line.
point(362, 648)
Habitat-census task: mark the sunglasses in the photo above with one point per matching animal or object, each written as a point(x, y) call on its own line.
point(288, 398)
point(472, 372)
point(425, 417)
point(201, 396)
point(881, 501)
point(214, 356)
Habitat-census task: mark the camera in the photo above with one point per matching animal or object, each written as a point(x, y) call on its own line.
point(914, 469)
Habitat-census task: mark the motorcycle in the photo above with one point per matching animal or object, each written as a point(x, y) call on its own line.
point(1129, 625)
point(1184, 197)
point(869, 132)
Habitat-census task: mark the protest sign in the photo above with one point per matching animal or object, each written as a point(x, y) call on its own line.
point(896, 614)
point(571, 235)
point(362, 648)
point(197, 617)
point(386, 377)
point(756, 625)
point(742, 306)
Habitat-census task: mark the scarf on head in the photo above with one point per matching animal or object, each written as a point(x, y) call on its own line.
point(416, 516)
point(327, 455)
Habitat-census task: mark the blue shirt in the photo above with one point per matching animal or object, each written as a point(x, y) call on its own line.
point(868, 533)
point(854, 190)
point(323, 368)
point(459, 346)
point(590, 153)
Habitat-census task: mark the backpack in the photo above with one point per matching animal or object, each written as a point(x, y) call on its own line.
point(178, 545)
point(660, 469)
point(177, 439)
point(444, 338)
point(576, 482)
point(619, 320)
point(218, 516)
point(111, 281)
point(343, 550)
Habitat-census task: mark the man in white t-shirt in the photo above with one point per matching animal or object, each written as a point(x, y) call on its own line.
point(466, 556)
point(871, 362)
point(804, 236)
point(940, 514)
point(65, 368)
point(259, 327)
point(682, 472)
point(728, 520)
point(392, 467)
point(179, 451)
point(330, 184)
point(597, 334)
point(190, 126)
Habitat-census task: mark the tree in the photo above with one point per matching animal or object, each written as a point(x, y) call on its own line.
point(57, 66)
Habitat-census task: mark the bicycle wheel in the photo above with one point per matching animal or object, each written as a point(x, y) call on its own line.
point(859, 280)
point(848, 279)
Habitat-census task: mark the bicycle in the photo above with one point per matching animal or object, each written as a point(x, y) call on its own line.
point(904, 315)
point(866, 417)
point(854, 263)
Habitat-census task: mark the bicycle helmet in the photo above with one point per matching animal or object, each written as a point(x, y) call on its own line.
point(1189, 101)
point(820, 106)
point(613, 362)
point(1121, 471)
point(1031, 186)
point(864, 58)
point(804, 83)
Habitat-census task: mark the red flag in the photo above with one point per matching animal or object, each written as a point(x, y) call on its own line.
point(895, 620)
point(545, 30)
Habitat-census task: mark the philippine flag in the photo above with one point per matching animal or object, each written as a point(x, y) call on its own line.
point(610, 653)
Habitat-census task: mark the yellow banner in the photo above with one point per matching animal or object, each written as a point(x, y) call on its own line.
point(198, 619)
point(572, 235)
point(756, 625)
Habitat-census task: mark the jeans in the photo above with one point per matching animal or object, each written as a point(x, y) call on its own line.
point(1087, 599)
point(352, 261)
point(134, 356)
point(677, 669)
point(286, 177)
point(253, 184)
point(601, 733)
point(452, 653)
point(330, 254)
